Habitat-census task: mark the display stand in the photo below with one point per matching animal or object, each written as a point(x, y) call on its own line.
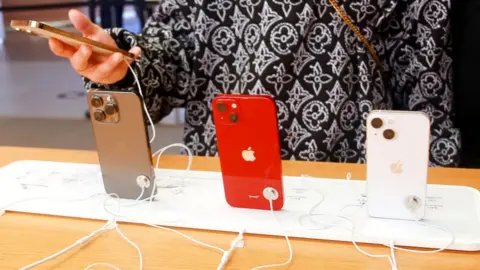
point(67, 189)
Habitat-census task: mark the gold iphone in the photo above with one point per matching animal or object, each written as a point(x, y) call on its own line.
point(47, 31)
point(121, 137)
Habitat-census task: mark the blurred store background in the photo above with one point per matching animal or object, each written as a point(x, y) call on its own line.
point(42, 100)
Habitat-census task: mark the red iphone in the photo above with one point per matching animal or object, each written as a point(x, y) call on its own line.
point(249, 150)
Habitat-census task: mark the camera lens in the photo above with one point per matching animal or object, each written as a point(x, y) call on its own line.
point(389, 134)
point(96, 101)
point(233, 117)
point(377, 123)
point(110, 109)
point(99, 115)
point(221, 107)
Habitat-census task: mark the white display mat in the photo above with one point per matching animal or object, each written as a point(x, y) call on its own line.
point(65, 189)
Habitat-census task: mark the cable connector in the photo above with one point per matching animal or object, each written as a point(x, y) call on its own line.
point(413, 203)
point(83, 240)
point(238, 240)
point(143, 181)
point(226, 254)
point(111, 224)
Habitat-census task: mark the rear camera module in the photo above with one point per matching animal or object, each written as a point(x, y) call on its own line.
point(377, 123)
point(96, 101)
point(110, 109)
point(233, 117)
point(221, 107)
point(389, 134)
point(99, 115)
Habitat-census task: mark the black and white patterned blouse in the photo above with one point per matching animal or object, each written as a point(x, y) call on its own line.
point(302, 53)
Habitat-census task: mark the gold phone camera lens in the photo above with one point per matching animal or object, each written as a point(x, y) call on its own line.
point(233, 117)
point(377, 123)
point(96, 101)
point(110, 109)
point(221, 107)
point(99, 115)
point(389, 134)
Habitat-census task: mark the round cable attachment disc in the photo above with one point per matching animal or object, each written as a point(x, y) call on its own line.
point(413, 203)
point(270, 194)
point(143, 181)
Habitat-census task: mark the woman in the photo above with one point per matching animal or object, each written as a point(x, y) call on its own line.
point(326, 66)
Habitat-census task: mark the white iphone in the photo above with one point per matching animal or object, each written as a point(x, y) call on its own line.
point(398, 144)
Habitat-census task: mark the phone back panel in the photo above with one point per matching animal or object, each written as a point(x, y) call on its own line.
point(397, 167)
point(122, 144)
point(249, 149)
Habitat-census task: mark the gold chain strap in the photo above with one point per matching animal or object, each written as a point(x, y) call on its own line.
point(362, 38)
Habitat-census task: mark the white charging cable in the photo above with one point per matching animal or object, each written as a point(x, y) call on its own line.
point(328, 225)
point(311, 212)
point(431, 251)
point(391, 257)
point(150, 121)
point(272, 195)
point(159, 153)
point(225, 253)
point(137, 248)
point(108, 226)
point(392, 260)
point(176, 188)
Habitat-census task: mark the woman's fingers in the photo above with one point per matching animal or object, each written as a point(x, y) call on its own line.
point(105, 71)
point(79, 59)
point(135, 51)
point(82, 23)
point(98, 68)
point(61, 49)
point(89, 29)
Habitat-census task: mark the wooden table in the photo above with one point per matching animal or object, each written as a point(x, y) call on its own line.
point(25, 238)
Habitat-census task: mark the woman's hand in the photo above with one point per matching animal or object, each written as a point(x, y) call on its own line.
point(99, 69)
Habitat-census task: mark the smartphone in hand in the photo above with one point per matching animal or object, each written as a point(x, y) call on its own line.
point(46, 31)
